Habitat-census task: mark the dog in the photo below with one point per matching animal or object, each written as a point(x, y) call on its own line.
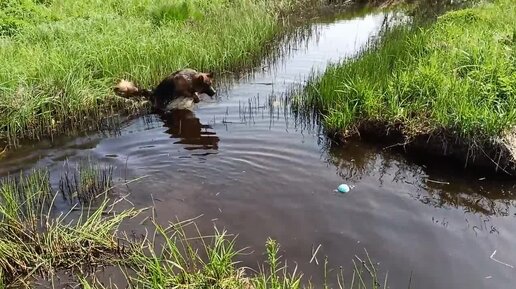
point(180, 89)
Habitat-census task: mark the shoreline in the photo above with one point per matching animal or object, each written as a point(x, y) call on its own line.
point(498, 158)
point(444, 88)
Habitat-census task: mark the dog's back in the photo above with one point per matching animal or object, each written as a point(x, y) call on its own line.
point(186, 83)
point(173, 86)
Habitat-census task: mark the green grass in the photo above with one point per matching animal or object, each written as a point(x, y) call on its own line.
point(36, 239)
point(85, 183)
point(39, 241)
point(179, 260)
point(59, 59)
point(455, 76)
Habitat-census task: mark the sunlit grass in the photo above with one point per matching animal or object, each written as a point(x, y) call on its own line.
point(457, 75)
point(60, 59)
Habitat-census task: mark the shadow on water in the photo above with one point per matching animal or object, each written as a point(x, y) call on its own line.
point(252, 165)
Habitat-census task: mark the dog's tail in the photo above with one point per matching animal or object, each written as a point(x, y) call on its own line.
point(128, 89)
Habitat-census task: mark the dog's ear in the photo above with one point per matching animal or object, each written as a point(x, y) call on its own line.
point(199, 77)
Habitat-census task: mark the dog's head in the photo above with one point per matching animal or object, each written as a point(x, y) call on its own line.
point(203, 83)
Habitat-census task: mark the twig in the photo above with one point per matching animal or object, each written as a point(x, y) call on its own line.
point(505, 264)
point(3, 151)
point(494, 162)
point(437, 182)
point(314, 255)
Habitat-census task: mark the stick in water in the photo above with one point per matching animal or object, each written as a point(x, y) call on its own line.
point(492, 258)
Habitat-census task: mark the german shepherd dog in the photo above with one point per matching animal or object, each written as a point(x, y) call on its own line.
point(181, 88)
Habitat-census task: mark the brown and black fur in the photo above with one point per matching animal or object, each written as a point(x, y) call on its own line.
point(182, 83)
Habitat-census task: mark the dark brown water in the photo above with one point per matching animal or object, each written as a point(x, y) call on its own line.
point(249, 165)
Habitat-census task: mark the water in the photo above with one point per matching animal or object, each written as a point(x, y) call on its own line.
point(249, 165)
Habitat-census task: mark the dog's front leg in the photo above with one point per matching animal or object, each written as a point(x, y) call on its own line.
point(196, 97)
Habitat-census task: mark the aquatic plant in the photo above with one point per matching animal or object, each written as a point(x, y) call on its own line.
point(86, 182)
point(180, 260)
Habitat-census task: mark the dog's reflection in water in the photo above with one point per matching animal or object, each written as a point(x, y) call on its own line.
point(183, 124)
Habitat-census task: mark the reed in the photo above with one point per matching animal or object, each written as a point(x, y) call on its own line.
point(86, 182)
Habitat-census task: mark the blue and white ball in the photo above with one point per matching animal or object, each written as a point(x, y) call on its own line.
point(343, 188)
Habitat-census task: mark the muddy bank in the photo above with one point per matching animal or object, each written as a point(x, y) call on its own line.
point(496, 157)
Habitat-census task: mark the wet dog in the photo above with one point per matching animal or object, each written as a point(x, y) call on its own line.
point(178, 90)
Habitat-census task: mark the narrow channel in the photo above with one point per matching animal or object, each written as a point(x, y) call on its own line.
point(248, 164)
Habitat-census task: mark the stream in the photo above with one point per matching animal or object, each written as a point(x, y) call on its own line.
point(248, 164)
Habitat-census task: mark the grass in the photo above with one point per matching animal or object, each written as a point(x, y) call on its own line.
point(60, 59)
point(85, 182)
point(456, 76)
point(35, 239)
point(178, 260)
point(38, 241)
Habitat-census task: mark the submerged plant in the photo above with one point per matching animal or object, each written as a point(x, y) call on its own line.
point(86, 182)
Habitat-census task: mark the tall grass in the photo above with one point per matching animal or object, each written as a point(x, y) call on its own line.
point(168, 259)
point(457, 75)
point(171, 258)
point(59, 59)
point(86, 182)
point(37, 239)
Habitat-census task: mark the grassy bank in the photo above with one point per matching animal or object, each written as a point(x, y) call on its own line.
point(40, 241)
point(59, 59)
point(455, 78)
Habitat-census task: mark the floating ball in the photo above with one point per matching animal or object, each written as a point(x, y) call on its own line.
point(343, 188)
